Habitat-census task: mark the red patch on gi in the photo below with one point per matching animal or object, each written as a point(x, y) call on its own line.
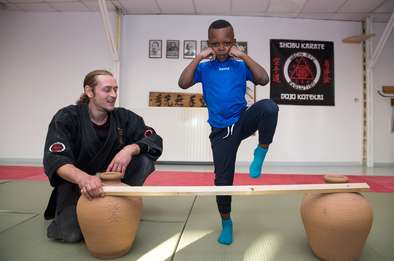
point(148, 133)
point(57, 147)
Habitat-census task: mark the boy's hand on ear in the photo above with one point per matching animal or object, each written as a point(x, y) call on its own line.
point(236, 52)
point(207, 53)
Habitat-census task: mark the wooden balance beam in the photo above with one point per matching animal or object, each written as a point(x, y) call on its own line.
point(232, 190)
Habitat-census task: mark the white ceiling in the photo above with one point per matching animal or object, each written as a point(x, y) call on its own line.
point(348, 10)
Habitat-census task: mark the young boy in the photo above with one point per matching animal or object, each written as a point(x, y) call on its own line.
point(223, 79)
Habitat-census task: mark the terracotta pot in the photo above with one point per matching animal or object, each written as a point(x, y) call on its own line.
point(109, 224)
point(335, 179)
point(337, 224)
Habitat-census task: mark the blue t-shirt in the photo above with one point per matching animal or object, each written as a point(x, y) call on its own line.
point(224, 87)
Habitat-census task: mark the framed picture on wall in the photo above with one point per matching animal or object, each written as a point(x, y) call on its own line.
point(203, 45)
point(155, 47)
point(172, 49)
point(189, 49)
point(243, 46)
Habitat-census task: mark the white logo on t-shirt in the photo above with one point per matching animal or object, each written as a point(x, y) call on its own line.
point(224, 68)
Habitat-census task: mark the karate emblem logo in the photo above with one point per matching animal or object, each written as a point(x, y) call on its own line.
point(302, 71)
point(57, 147)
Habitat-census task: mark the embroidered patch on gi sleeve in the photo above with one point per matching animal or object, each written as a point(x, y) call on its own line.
point(148, 132)
point(57, 147)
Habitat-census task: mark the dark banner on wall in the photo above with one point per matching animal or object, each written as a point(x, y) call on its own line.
point(302, 72)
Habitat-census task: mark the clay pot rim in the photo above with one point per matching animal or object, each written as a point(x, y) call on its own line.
point(110, 175)
point(336, 179)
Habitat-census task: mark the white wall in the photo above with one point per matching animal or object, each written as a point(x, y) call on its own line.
point(382, 110)
point(43, 59)
point(304, 134)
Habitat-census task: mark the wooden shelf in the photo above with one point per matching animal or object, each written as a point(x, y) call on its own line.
point(388, 89)
point(357, 38)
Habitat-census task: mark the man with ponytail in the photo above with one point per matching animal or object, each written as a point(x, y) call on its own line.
point(90, 137)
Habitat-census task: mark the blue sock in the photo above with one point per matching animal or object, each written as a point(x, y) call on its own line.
point(226, 236)
point(257, 163)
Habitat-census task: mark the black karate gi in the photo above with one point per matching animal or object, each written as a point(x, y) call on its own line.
point(72, 139)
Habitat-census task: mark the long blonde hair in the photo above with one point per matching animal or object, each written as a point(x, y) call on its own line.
point(91, 80)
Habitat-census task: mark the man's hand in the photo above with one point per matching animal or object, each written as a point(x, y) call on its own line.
point(91, 186)
point(122, 159)
point(236, 52)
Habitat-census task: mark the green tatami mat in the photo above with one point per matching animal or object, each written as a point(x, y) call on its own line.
point(159, 231)
point(10, 219)
point(265, 228)
point(33, 196)
point(29, 196)
point(155, 241)
point(270, 228)
point(28, 241)
point(167, 209)
point(381, 238)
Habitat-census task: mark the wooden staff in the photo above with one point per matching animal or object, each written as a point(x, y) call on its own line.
point(232, 190)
